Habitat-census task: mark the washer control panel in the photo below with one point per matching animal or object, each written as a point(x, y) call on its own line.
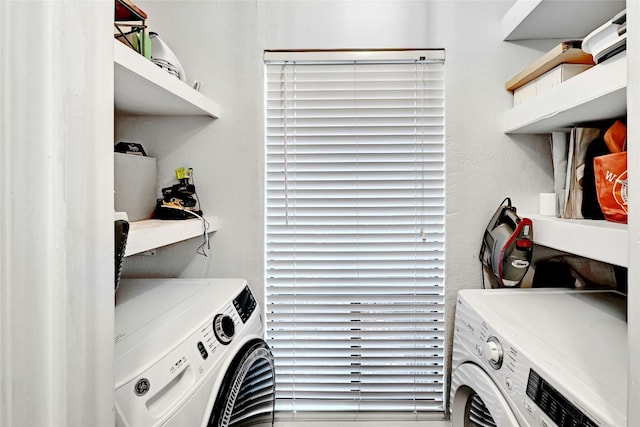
point(557, 407)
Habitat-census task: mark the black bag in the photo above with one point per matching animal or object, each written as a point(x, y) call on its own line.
point(590, 205)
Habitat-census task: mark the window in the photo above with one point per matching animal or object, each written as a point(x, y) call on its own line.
point(355, 211)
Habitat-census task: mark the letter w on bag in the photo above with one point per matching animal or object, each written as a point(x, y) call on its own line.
point(610, 176)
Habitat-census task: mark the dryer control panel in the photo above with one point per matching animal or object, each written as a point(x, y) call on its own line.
point(245, 304)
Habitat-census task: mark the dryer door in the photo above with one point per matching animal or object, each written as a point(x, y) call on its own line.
point(247, 393)
point(476, 401)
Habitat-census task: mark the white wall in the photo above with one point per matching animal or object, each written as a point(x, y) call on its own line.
point(221, 42)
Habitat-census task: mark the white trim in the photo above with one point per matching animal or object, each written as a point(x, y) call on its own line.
point(633, 297)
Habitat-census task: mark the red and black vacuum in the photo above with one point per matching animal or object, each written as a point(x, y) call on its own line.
point(507, 247)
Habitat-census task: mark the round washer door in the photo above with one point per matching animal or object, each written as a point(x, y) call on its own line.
point(476, 401)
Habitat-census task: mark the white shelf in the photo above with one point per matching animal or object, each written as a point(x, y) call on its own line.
point(141, 87)
point(596, 94)
point(557, 19)
point(154, 233)
point(600, 240)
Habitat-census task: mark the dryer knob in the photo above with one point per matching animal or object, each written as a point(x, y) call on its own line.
point(494, 352)
point(224, 328)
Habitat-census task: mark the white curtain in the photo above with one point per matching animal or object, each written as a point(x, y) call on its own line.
point(56, 217)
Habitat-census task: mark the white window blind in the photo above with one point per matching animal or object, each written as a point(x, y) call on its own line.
point(355, 210)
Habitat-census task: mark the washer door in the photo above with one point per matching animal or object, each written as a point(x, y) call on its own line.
point(476, 401)
point(247, 394)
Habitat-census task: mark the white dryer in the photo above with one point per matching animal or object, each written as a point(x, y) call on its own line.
point(190, 352)
point(539, 357)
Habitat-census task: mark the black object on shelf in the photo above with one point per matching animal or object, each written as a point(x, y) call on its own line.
point(130, 148)
point(121, 232)
point(180, 201)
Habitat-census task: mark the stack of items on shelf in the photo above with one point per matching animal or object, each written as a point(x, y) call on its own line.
point(561, 63)
point(130, 27)
point(608, 40)
point(568, 59)
point(180, 201)
point(590, 173)
point(131, 30)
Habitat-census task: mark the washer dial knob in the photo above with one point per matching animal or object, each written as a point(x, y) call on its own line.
point(223, 328)
point(494, 352)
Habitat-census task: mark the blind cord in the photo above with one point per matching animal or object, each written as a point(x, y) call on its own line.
point(423, 234)
point(285, 146)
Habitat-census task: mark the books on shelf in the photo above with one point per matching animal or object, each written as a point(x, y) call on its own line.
point(579, 142)
point(586, 191)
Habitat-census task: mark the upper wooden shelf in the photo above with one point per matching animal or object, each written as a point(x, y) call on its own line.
point(599, 93)
point(143, 88)
point(557, 19)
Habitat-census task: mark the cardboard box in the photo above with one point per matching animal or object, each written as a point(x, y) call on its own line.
point(567, 52)
point(525, 92)
point(547, 81)
point(136, 187)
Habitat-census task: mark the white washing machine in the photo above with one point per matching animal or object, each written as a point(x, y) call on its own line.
point(539, 357)
point(190, 352)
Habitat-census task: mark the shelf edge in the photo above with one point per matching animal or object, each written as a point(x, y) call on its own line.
point(515, 16)
point(150, 234)
point(605, 82)
point(599, 240)
point(129, 62)
point(551, 19)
